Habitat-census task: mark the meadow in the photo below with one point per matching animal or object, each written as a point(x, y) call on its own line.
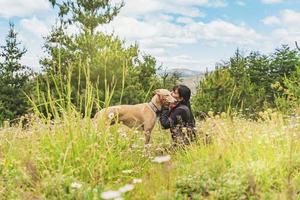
point(72, 158)
point(248, 143)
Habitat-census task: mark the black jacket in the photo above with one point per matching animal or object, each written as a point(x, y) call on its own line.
point(180, 115)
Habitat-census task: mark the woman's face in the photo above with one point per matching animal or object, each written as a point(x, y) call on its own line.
point(176, 95)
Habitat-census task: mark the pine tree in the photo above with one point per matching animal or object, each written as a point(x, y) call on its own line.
point(14, 78)
point(88, 13)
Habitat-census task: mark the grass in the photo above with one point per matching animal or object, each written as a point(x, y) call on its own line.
point(70, 157)
point(244, 160)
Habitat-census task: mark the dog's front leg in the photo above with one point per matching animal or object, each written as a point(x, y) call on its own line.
point(147, 136)
point(148, 127)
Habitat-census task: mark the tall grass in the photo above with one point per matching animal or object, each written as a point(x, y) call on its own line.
point(60, 147)
point(65, 155)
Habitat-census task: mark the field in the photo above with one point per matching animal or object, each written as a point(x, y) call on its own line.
point(71, 158)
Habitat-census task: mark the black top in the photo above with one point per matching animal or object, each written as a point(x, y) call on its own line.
point(180, 115)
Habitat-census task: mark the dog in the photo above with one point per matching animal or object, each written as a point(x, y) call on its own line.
point(142, 116)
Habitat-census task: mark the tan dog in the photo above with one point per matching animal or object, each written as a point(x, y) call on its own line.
point(142, 116)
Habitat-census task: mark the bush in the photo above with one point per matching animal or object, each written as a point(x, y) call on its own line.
point(246, 84)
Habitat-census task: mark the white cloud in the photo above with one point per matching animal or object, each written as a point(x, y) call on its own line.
point(287, 30)
point(272, 20)
point(160, 33)
point(290, 17)
point(31, 31)
point(160, 36)
point(35, 26)
point(153, 25)
point(21, 8)
point(225, 32)
point(182, 7)
point(286, 17)
point(271, 1)
point(184, 20)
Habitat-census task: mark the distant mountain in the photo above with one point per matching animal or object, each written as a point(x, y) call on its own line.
point(183, 72)
point(192, 82)
point(189, 77)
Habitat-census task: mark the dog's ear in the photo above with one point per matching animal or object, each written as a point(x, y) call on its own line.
point(157, 91)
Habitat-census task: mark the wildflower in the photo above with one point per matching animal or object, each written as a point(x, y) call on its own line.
point(111, 194)
point(161, 159)
point(128, 171)
point(134, 146)
point(111, 115)
point(76, 185)
point(123, 135)
point(136, 180)
point(126, 188)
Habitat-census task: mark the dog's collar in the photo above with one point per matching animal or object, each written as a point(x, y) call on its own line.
point(153, 107)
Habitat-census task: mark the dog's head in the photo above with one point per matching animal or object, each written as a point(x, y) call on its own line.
point(164, 96)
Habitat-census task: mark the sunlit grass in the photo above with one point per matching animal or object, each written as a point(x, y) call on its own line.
point(64, 154)
point(72, 158)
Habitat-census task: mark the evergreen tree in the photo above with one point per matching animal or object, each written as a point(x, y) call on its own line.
point(88, 13)
point(250, 84)
point(14, 78)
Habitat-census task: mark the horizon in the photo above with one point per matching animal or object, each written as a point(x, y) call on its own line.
point(190, 34)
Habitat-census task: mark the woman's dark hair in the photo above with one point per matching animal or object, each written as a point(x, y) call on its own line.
point(185, 93)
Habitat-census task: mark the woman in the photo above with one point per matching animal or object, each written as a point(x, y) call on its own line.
point(179, 117)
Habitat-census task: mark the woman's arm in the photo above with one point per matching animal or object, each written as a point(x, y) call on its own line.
point(170, 119)
point(164, 119)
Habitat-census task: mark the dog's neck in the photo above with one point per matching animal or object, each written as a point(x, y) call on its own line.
point(155, 104)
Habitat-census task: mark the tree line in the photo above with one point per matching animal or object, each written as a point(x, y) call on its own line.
point(250, 84)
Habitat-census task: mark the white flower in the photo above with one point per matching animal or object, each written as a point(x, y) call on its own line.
point(111, 115)
point(123, 135)
point(135, 146)
point(136, 180)
point(111, 194)
point(128, 171)
point(76, 185)
point(126, 188)
point(118, 198)
point(161, 159)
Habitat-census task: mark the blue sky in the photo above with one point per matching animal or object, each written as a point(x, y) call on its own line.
point(194, 34)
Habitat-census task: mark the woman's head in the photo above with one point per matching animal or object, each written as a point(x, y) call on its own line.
point(181, 93)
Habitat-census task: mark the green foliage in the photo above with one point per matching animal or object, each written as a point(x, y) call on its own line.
point(89, 14)
point(289, 99)
point(14, 79)
point(246, 84)
point(230, 185)
point(109, 64)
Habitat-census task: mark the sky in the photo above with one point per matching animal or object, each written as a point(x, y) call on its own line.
point(192, 34)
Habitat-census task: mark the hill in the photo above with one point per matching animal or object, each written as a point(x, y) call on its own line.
point(189, 77)
point(183, 72)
